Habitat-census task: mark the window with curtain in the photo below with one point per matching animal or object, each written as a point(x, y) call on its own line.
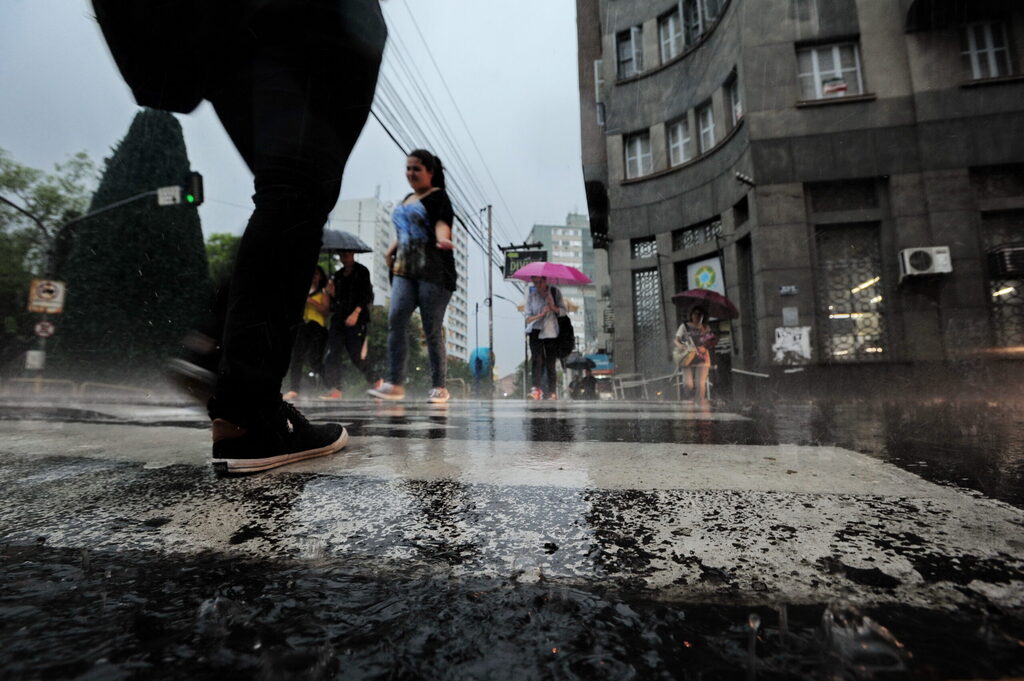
point(829, 71)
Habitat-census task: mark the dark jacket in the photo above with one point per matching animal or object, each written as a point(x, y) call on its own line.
point(351, 292)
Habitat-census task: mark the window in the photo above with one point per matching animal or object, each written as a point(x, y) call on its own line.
point(984, 50)
point(698, 17)
point(732, 97)
point(670, 35)
point(851, 293)
point(680, 142)
point(629, 48)
point(698, 235)
point(638, 155)
point(829, 71)
point(648, 327)
point(598, 79)
point(644, 247)
point(706, 123)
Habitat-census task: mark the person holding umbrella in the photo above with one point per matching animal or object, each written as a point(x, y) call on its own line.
point(351, 297)
point(542, 308)
point(693, 342)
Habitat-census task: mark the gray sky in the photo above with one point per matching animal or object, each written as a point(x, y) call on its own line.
point(510, 68)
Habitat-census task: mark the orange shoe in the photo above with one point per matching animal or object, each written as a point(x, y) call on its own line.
point(333, 395)
point(290, 395)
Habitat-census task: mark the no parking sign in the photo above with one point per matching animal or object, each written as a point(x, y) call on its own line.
point(46, 296)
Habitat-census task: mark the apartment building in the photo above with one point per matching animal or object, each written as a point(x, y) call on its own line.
point(850, 172)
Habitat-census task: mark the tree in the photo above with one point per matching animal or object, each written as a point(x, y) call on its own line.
point(137, 276)
point(221, 250)
point(33, 206)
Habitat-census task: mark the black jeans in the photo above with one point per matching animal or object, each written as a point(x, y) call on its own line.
point(543, 357)
point(293, 104)
point(310, 340)
point(350, 338)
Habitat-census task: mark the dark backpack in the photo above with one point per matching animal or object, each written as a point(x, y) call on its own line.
point(566, 335)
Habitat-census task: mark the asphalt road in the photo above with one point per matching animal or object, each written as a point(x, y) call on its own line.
point(827, 509)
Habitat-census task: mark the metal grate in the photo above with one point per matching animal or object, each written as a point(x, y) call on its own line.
point(1002, 236)
point(646, 247)
point(648, 326)
point(692, 237)
point(851, 299)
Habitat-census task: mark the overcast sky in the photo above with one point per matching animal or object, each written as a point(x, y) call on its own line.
point(510, 69)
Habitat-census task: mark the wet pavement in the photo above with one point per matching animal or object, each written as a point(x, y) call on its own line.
point(519, 541)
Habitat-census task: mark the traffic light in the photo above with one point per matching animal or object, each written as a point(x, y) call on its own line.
point(193, 189)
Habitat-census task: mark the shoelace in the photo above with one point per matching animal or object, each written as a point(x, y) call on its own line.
point(289, 411)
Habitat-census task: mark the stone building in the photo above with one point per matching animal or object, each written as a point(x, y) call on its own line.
point(856, 165)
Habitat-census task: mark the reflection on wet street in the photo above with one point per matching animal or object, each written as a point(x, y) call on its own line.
point(509, 541)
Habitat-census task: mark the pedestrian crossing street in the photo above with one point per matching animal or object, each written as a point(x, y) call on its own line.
point(690, 503)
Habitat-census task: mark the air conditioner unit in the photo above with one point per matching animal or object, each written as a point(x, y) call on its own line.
point(1006, 262)
point(924, 260)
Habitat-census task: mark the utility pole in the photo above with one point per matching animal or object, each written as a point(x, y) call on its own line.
point(490, 285)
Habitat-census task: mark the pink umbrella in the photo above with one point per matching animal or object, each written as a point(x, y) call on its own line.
point(556, 273)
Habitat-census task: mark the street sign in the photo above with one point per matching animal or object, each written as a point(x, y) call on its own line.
point(514, 260)
point(168, 196)
point(46, 296)
point(45, 329)
point(35, 360)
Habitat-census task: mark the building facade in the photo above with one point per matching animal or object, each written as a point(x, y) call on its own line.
point(370, 220)
point(854, 167)
point(571, 244)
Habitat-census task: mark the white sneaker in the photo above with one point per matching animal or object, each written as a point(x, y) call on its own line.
point(439, 396)
point(387, 391)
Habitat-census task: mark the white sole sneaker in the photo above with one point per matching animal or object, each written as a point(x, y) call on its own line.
point(237, 466)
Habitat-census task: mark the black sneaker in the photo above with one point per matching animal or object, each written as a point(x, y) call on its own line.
point(195, 372)
point(286, 438)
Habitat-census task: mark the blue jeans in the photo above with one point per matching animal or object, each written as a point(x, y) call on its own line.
point(432, 300)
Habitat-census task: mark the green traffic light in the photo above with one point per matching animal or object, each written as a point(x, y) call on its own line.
point(190, 198)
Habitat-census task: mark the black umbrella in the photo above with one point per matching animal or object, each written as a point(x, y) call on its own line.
point(579, 361)
point(337, 240)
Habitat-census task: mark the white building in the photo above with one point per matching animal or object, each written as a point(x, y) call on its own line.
point(370, 220)
point(569, 244)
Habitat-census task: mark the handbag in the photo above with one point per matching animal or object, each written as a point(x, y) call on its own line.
point(566, 337)
point(684, 356)
point(566, 341)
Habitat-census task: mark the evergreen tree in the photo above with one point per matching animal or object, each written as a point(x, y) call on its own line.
point(136, 276)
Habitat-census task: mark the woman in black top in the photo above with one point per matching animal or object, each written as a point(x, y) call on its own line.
point(423, 265)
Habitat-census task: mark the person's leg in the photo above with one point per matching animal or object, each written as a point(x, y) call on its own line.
point(355, 338)
point(333, 356)
point(403, 303)
point(536, 358)
point(550, 353)
point(299, 352)
point(316, 342)
point(701, 379)
point(688, 379)
point(433, 302)
point(294, 113)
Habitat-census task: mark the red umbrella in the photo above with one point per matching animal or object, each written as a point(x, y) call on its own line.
point(556, 273)
point(718, 305)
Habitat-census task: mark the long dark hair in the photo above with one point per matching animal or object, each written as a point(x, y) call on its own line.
point(703, 314)
point(321, 280)
point(431, 163)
